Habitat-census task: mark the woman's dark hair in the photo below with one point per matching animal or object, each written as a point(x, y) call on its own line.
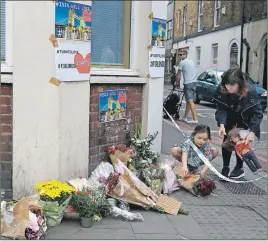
point(234, 76)
point(202, 129)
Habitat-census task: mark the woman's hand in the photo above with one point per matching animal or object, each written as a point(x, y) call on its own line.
point(250, 137)
point(184, 170)
point(222, 131)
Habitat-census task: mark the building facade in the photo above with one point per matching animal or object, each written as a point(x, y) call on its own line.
point(169, 41)
point(211, 32)
point(255, 34)
point(53, 132)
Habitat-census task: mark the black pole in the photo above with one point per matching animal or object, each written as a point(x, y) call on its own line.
point(242, 34)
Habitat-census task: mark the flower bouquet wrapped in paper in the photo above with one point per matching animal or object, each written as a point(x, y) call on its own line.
point(54, 199)
point(128, 188)
point(186, 181)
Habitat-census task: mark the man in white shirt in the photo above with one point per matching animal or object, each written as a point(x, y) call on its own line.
point(188, 69)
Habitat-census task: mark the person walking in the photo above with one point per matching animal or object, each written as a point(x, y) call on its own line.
point(238, 105)
point(188, 69)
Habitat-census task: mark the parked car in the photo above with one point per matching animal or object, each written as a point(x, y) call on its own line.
point(208, 81)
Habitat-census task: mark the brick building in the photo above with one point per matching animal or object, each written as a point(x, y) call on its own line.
point(53, 132)
point(169, 41)
point(211, 32)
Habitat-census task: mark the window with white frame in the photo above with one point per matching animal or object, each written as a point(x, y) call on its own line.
point(217, 13)
point(3, 31)
point(198, 55)
point(184, 21)
point(200, 15)
point(214, 54)
point(6, 36)
point(169, 30)
point(110, 46)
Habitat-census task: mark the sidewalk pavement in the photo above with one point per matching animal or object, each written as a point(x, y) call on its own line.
point(239, 211)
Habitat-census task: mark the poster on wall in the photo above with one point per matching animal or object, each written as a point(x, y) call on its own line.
point(157, 62)
point(157, 52)
point(73, 61)
point(112, 105)
point(73, 31)
point(72, 21)
point(159, 27)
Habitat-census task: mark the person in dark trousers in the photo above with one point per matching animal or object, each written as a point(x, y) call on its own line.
point(238, 105)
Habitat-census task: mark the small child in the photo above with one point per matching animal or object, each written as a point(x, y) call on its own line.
point(235, 140)
point(191, 162)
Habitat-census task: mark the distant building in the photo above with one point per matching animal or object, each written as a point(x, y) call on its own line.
point(211, 32)
point(168, 43)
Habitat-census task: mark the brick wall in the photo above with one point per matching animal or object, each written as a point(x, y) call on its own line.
point(6, 139)
point(102, 135)
point(192, 10)
point(232, 14)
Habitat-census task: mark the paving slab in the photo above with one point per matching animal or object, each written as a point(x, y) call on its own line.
point(153, 223)
point(235, 231)
point(228, 215)
point(157, 236)
point(187, 227)
point(103, 234)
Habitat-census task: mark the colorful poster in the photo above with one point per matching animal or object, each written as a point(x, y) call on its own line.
point(72, 21)
point(73, 31)
point(157, 52)
point(159, 27)
point(112, 105)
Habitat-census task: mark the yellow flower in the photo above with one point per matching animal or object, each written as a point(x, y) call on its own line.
point(53, 189)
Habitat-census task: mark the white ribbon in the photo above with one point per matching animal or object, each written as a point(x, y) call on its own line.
point(205, 160)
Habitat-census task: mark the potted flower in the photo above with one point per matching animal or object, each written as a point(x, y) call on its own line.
point(83, 204)
point(54, 199)
point(91, 205)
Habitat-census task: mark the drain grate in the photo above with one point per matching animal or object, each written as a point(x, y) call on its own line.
point(241, 188)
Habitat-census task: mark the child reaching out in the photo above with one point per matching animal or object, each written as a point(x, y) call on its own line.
point(235, 140)
point(201, 137)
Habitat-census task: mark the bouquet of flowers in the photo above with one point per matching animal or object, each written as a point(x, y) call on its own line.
point(123, 153)
point(204, 187)
point(144, 155)
point(54, 199)
point(122, 148)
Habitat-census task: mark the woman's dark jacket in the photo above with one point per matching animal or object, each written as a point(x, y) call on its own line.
point(246, 114)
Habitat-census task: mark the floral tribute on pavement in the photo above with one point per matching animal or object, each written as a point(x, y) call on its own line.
point(134, 176)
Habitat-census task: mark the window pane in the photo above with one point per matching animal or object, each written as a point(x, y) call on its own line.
point(108, 20)
point(3, 30)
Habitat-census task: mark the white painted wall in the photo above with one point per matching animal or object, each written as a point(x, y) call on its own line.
point(224, 38)
point(153, 91)
point(50, 123)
